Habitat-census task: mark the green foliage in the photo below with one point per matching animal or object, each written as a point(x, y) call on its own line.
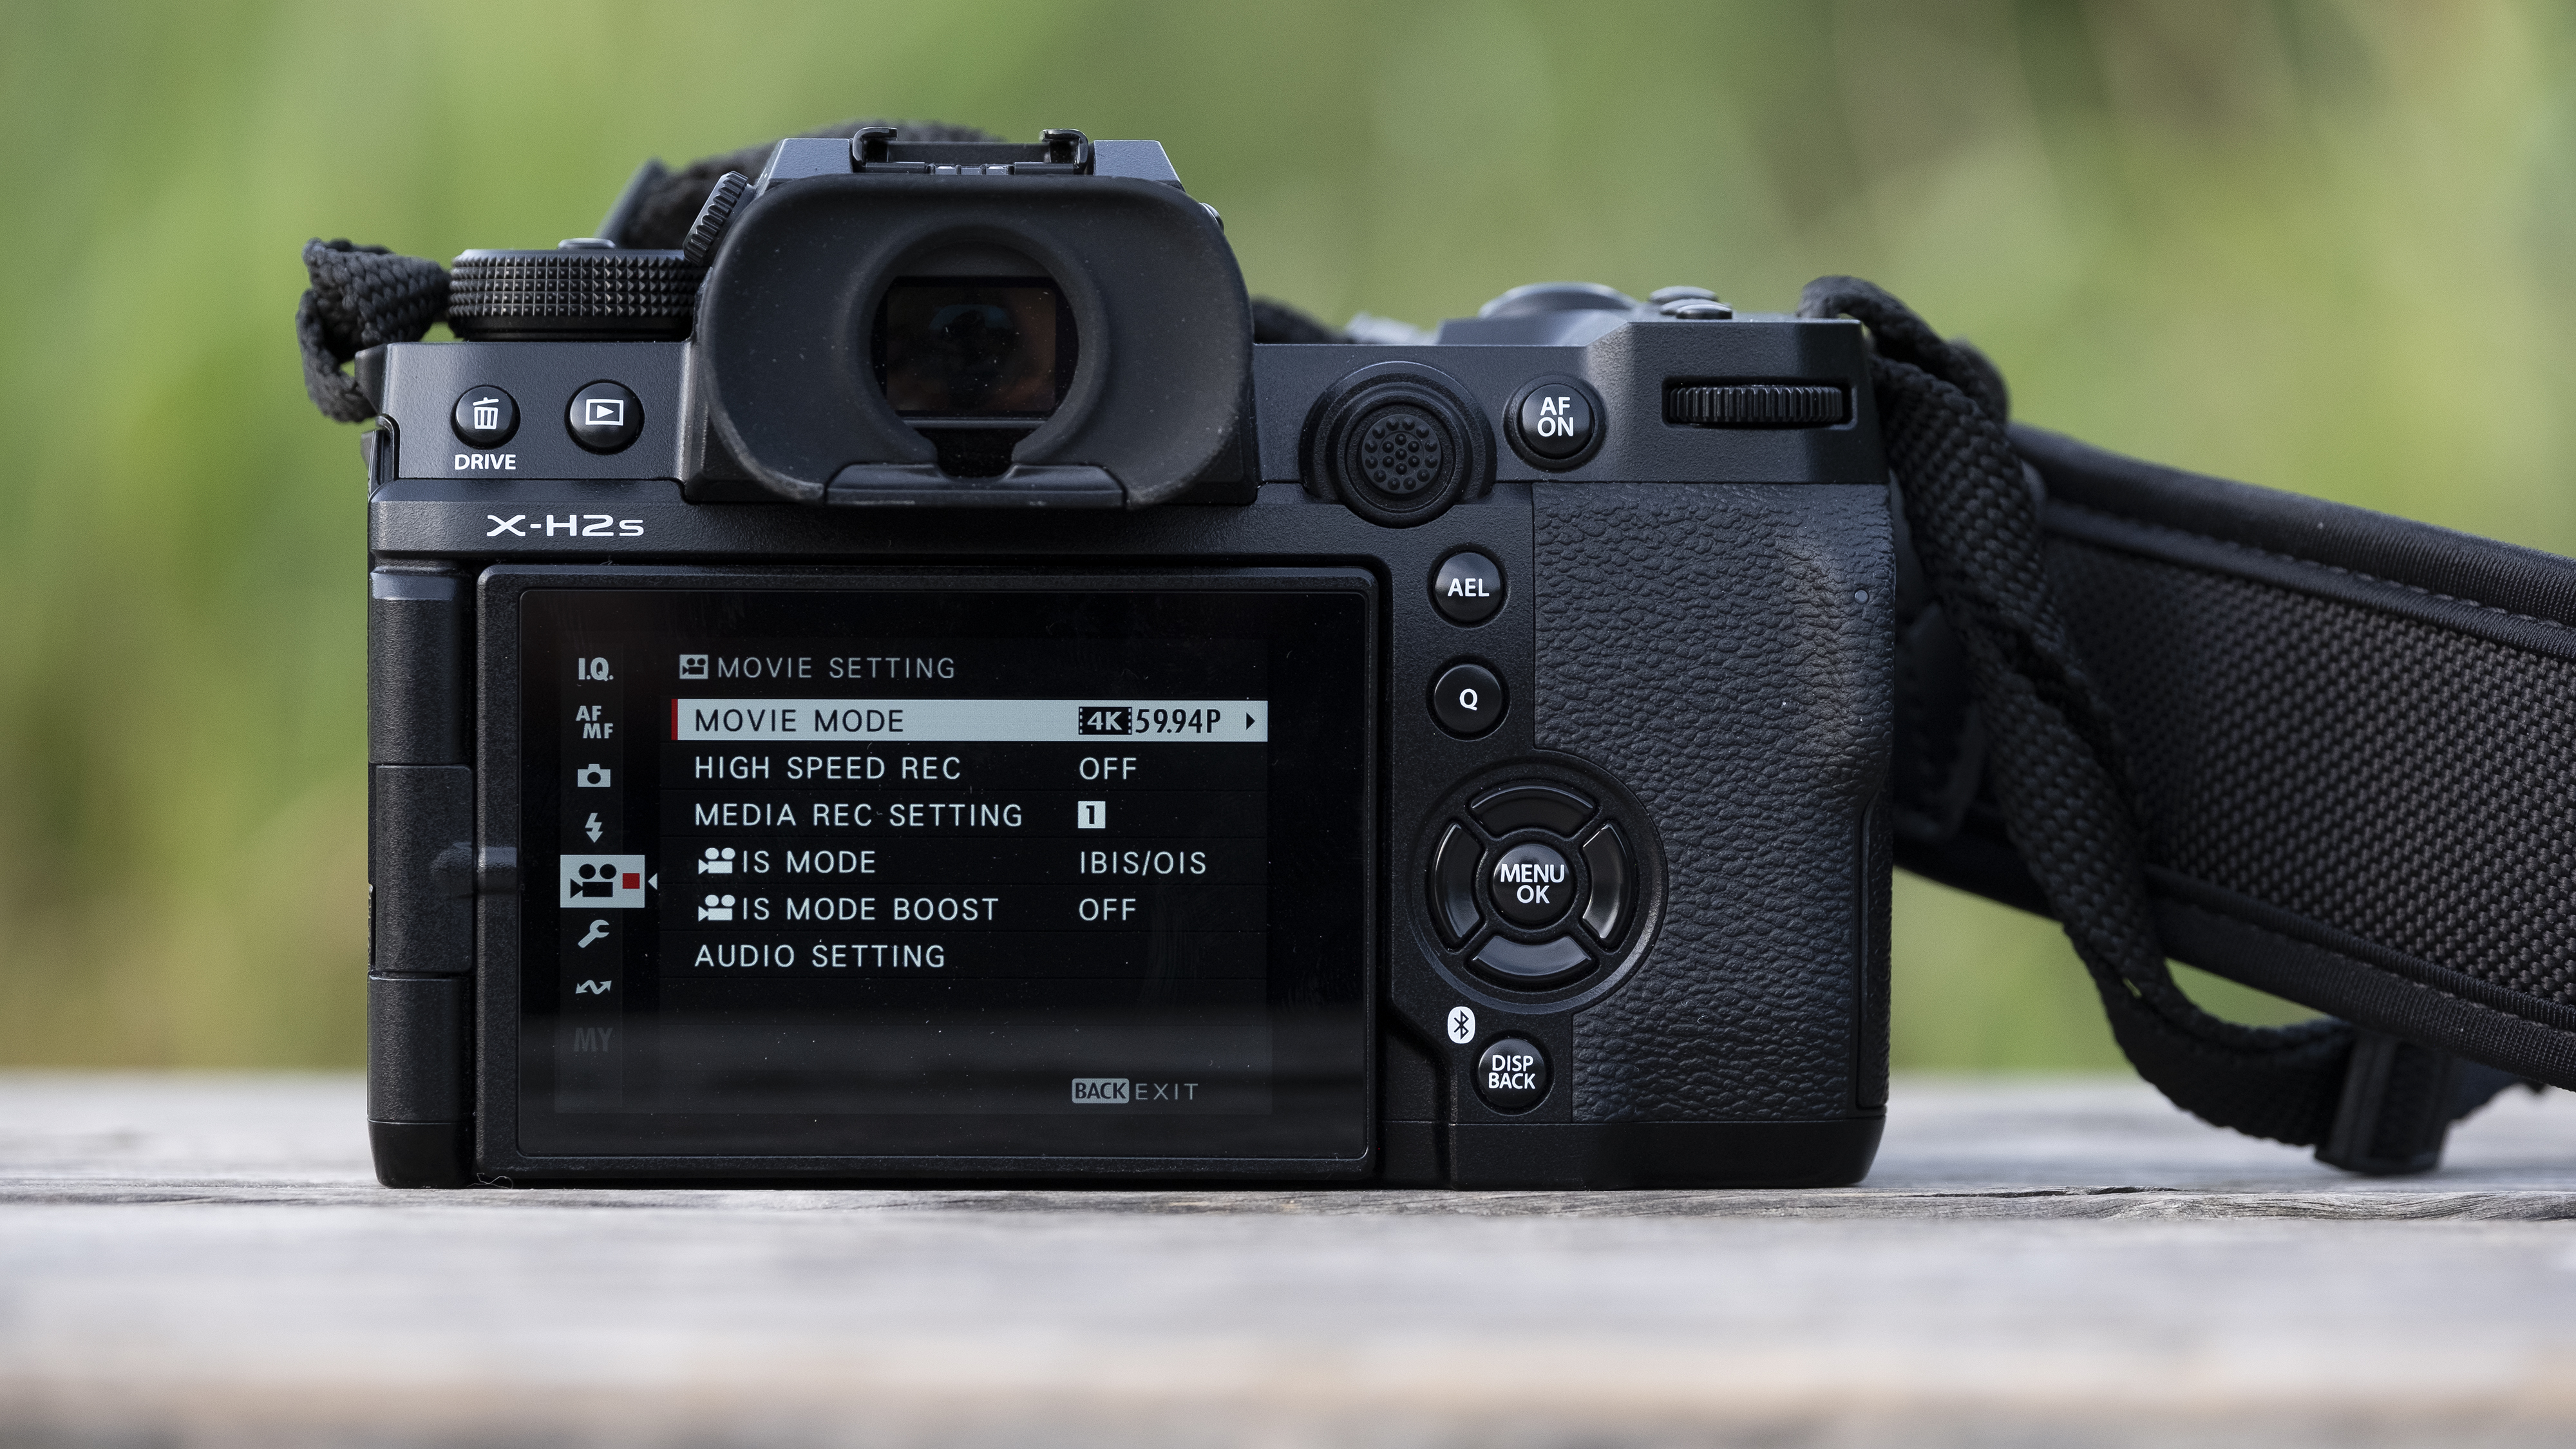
point(2319, 247)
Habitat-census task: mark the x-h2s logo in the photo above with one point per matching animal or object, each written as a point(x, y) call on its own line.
point(564, 525)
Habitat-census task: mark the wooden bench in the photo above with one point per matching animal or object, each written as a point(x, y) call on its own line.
point(205, 1260)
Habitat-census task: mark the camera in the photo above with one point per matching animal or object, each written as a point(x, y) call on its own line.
point(909, 686)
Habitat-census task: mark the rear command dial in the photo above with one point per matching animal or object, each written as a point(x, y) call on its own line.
point(1534, 885)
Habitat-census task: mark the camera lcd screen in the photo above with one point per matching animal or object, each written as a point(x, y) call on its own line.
point(964, 347)
point(910, 873)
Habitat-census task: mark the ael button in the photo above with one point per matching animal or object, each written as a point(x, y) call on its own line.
point(1511, 1074)
point(1467, 701)
point(1467, 588)
point(604, 417)
point(484, 417)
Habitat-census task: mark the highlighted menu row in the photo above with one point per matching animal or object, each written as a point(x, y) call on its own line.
point(1022, 721)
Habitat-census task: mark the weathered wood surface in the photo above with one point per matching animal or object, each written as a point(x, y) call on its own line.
point(205, 1261)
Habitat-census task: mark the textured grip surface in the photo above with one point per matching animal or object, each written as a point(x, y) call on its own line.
point(1709, 645)
point(420, 869)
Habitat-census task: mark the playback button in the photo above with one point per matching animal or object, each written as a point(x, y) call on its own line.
point(604, 417)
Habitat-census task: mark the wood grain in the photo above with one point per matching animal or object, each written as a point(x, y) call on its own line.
point(205, 1261)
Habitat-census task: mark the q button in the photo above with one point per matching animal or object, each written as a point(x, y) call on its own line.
point(1468, 700)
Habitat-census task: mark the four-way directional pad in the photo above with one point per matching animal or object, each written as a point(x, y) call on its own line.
point(1532, 885)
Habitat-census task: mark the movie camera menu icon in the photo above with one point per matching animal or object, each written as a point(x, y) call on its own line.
point(602, 882)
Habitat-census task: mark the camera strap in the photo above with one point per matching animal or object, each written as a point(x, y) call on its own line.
point(2317, 750)
point(361, 297)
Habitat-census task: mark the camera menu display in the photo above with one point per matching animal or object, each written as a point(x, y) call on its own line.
point(1002, 838)
point(913, 877)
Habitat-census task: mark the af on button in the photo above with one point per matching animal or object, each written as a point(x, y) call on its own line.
point(604, 417)
point(1554, 423)
point(1467, 701)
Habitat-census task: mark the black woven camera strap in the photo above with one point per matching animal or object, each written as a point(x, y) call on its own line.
point(2317, 750)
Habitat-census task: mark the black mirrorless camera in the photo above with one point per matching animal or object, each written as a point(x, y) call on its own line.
point(908, 687)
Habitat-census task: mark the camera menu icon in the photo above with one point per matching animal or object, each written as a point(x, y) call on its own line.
point(602, 882)
point(591, 777)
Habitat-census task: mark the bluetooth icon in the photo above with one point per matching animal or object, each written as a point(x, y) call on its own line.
point(1462, 1025)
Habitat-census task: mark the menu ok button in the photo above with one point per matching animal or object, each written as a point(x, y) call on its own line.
point(1531, 885)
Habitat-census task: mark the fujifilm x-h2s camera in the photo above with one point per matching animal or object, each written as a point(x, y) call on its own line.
point(908, 685)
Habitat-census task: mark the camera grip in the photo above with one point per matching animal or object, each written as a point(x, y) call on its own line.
point(420, 880)
point(415, 665)
point(416, 1117)
point(1726, 651)
point(421, 900)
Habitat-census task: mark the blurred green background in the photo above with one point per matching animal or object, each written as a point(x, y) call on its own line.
point(2324, 247)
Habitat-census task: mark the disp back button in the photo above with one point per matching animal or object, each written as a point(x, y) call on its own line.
point(1511, 1074)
